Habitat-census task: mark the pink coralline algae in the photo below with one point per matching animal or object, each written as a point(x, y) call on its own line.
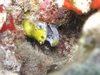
point(67, 41)
point(44, 10)
point(46, 4)
point(7, 46)
point(57, 16)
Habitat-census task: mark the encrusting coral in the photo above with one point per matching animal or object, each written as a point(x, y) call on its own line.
point(22, 55)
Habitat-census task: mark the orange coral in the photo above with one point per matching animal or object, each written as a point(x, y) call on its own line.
point(95, 4)
point(67, 4)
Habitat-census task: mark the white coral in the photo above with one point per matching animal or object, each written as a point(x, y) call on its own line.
point(83, 5)
point(2, 18)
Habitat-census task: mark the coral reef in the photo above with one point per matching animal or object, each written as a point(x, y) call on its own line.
point(22, 55)
point(87, 61)
point(32, 58)
point(8, 54)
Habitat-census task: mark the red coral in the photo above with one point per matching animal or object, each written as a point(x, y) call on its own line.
point(8, 25)
point(1, 8)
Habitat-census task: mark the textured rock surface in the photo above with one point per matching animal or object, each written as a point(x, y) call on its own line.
point(21, 55)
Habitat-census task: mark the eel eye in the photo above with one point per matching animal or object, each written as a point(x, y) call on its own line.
point(39, 27)
point(42, 37)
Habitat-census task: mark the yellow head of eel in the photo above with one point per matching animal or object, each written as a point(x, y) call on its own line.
point(37, 30)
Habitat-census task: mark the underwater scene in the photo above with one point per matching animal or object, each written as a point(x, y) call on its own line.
point(49, 37)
